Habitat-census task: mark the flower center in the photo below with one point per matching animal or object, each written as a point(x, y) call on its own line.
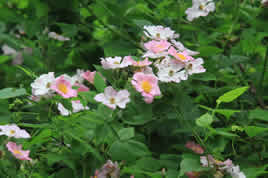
point(171, 73)
point(112, 100)
point(17, 152)
point(12, 132)
point(158, 35)
point(63, 88)
point(146, 86)
point(48, 85)
point(181, 56)
point(201, 7)
point(116, 62)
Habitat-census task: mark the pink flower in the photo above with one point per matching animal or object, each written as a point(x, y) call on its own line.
point(157, 46)
point(18, 152)
point(89, 76)
point(112, 98)
point(143, 63)
point(114, 62)
point(63, 87)
point(181, 56)
point(195, 147)
point(192, 174)
point(81, 88)
point(147, 85)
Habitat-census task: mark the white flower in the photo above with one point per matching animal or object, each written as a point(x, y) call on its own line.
point(78, 77)
point(63, 110)
point(76, 107)
point(200, 8)
point(115, 62)
point(160, 33)
point(195, 66)
point(112, 98)
point(8, 50)
point(181, 48)
point(56, 36)
point(13, 131)
point(41, 85)
point(235, 172)
point(170, 71)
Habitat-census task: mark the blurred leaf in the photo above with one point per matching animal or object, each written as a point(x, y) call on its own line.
point(99, 83)
point(11, 92)
point(204, 121)
point(258, 114)
point(126, 133)
point(252, 131)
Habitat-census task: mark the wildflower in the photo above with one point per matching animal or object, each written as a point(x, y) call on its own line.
point(160, 33)
point(81, 88)
point(180, 56)
point(156, 49)
point(147, 85)
point(114, 62)
point(17, 151)
point(109, 169)
point(207, 160)
point(112, 98)
point(195, 147)
point(195, 66)
point(77, 106)
point(13, 131)
point(58, 37)
point(143, 63)
point(78, 77)
point(89, 76)
point(41, 85)
point(180, 47)
point(200, 8)
point(169, 71)
point(63, 87)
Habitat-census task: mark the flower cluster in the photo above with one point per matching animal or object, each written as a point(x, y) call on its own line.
point(14, 131)
point(171, 59)
point(200, 8)
point(47, 85)
point(209, 161)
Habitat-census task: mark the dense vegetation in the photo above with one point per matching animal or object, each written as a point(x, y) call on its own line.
point(124, 88)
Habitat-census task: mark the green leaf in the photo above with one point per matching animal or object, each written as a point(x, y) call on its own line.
point(231, 95)
point(205, 77)
point(99, 83)
point(4, 59)
point(128, 150)
point(190, 163)
point(148, 164)
point(204, 121)
point(41, 138)
point(5, 114)
point(11, 92)
point(252, 131)
point(126, 133)
point(258, 114)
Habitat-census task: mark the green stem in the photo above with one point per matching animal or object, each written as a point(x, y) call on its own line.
point(263, 73)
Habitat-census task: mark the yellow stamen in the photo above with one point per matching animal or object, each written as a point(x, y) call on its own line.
point(63, 88)
point(116, 62)
point(181, 56)
point(112, 100)
point(48, 85)
point(201, 7)
point(146, 86)
point(12, 132)
point(17, 152)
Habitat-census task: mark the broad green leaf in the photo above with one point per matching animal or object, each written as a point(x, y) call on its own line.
point(128, 150)
point(4, 59)
point(42, 137)
point(231, 95)
point(204, 121)
point(205, 76)
point(252, 131)
point(5, 114)
point(226, 112)
point(126, 133)
point(258, 114)
point(148, 164)
point(99, 83)
point(11, 92)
